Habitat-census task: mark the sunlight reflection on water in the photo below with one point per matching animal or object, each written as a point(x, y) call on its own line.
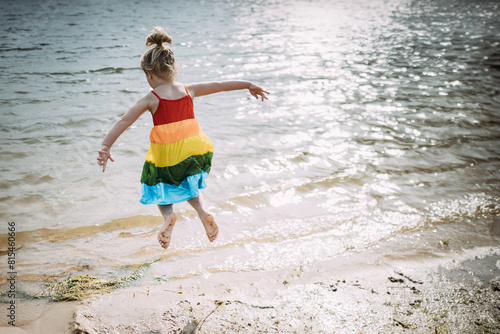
point(383, 116)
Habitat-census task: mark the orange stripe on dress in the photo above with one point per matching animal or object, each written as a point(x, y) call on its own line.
point(172, 132)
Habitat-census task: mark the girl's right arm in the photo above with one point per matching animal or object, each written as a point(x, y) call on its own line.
point(207, 88)
point(119, 127)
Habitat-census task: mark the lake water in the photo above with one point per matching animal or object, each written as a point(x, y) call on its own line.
point(383, 119)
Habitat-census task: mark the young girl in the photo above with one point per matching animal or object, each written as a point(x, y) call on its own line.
point(180, 155)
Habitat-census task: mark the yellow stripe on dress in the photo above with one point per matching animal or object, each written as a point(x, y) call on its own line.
point(170, 154)
point(172, 132)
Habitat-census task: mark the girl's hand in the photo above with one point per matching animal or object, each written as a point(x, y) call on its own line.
point(256, 91)
point(104, 155)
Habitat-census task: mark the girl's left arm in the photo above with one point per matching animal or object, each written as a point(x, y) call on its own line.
point(118, 128)
point(207, 88)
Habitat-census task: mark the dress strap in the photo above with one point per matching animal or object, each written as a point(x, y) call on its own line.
point(156, 94)
point(185, 87)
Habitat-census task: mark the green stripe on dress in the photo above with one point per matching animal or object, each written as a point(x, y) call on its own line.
point(193, 165)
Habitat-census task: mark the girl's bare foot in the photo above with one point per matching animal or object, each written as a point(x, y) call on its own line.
point(166, 231)
point(210, 227)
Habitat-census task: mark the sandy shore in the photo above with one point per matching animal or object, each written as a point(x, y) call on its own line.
point(344, 295)
point(369, 292)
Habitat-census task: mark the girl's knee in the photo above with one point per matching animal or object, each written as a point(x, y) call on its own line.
point(165, 209)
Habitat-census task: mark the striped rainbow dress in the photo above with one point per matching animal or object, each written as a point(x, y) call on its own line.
point(179, 157)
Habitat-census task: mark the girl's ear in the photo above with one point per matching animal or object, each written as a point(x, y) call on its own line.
point(149, 75)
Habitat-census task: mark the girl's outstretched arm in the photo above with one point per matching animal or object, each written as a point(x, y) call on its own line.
point(118, 128)
point(207, 88)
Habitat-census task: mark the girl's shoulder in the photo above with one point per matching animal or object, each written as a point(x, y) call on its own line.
point(149, 102)
point(190, 90)
point(172, 91)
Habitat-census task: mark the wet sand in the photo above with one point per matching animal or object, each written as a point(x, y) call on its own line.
point(373, 291)
point(345, 295)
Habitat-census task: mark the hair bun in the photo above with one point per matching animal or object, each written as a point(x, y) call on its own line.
point(158, 36)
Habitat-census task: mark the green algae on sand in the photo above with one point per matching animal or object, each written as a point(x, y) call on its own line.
point(85, 286)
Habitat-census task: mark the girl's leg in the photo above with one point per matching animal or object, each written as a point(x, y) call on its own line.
point(207, 219)
point(166, 230)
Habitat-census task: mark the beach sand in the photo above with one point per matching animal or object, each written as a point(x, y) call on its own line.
point(373, 291)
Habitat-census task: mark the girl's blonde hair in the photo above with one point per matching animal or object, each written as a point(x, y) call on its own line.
point(159, 60)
